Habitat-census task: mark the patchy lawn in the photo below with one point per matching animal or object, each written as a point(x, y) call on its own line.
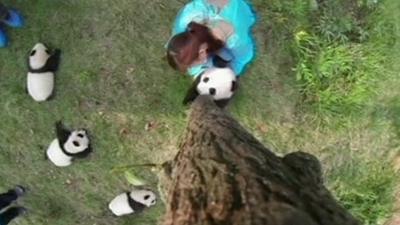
point(114, 81)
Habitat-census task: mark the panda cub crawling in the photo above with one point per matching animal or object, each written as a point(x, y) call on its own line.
point(132, 202)
point(220, 83)
point(41, 67)
point(68, 145)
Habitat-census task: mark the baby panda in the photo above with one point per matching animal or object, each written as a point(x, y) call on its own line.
point(132, 202)
point(68, 145)
point(42, 64)
point(220, 83)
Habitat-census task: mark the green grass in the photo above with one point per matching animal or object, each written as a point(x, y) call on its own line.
point(113, 80)
point(367, 191)
point(340, 55)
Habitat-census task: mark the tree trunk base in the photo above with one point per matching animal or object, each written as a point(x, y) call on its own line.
point(223, 175)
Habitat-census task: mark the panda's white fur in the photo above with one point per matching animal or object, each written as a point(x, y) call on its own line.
point(217, 82)
point(40, 81)
point(132, 202)
point(77, 142)
point(57, 156)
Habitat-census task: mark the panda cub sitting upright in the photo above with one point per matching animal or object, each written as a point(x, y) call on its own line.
point(68, 145)
point(220, 83)
point(132, 202)
point(41, 68)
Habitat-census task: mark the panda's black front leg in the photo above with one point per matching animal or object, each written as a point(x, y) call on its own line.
point(53, 62)
point(220, 62)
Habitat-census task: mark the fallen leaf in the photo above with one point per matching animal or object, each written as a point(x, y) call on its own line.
point(263, 128)
point(133, 179)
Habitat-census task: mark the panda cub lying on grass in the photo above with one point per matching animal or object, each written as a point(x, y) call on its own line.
point(132, 202)
point(42, 64)
point(68, 145)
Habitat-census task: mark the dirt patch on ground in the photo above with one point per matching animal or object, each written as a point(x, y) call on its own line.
point(395, 219)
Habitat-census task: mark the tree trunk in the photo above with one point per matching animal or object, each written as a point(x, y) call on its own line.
point(223, 175)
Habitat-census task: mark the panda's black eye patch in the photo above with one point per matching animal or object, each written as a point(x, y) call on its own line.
point(33, 52)
point(146, 197)
point(154, 201)
point(47, 51)
point(80, 135)
point(75, 143)
point(205, 80)
point(212, 91)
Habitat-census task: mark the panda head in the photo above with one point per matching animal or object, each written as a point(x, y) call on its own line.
point(41, 59)
point(220, 83)
point(145, 197)
point(77, 142)
point(73, 143)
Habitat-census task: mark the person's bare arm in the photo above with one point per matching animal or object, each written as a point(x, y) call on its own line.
point(221, 29)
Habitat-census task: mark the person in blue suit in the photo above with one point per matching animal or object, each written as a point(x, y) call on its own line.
point(206, 31)
point(8, 17)
point(6, 199)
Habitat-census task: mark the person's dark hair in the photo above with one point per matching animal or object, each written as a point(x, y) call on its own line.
point(183, 48)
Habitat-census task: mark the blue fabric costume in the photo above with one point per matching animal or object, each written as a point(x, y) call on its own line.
point(240, 46)
point(10, 17)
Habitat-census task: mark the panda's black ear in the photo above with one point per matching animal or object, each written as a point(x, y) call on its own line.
point(219, 62)
point(62, 133)
point(54, 61)
point(192, 93)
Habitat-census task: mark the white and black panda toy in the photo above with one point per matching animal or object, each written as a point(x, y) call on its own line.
point(220, 83)
point(68, 145)
point(42, 64)
point(132, 202)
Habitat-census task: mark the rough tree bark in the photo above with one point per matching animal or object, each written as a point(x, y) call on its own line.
point(223, 175)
